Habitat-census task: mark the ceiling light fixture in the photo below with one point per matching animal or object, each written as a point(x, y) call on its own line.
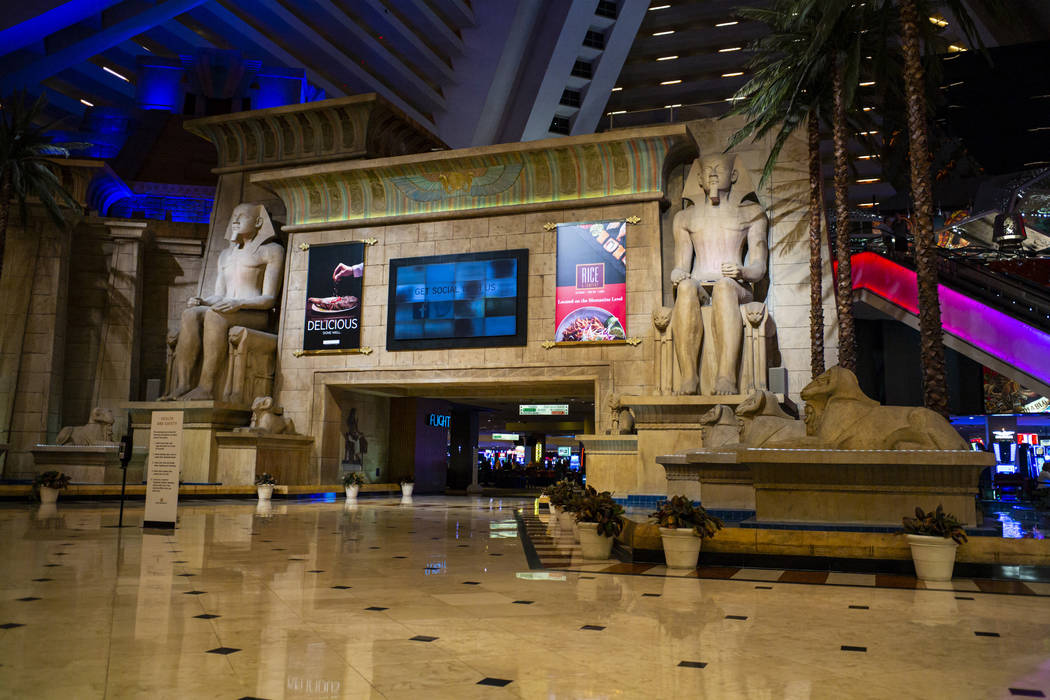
point(113, 72)
point(867, 83)
point(867, 109)
point(730, 49)
point(667, 58)
point(866, 133)
point(868, 205)
point(939, 21)
point(664, 33)
point(867, 157)
point(617, 89)
point(672, 106)
point(670, 82)
point(85, 102)
point(733, 74)
point(658, 7)
point(622, 111)
point(867, 180)
point(727, 24)
point(955, 48)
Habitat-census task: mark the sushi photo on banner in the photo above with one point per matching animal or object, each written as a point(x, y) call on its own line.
point(334, 284)
point(591, 296)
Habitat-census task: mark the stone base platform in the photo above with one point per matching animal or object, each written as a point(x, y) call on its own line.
point(843, 486)
point(201, 422)
point(92, 464)
point(244, 456)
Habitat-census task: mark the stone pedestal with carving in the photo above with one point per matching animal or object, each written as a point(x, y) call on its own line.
point(242, 456)
point(85, 464)
point(202, 421)
point(612, 462)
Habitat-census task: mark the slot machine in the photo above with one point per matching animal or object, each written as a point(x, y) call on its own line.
point(1007, 477)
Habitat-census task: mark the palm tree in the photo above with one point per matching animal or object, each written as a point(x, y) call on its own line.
point(26, 169)
point(805, 69)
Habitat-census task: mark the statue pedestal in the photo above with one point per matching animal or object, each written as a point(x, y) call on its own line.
point(843, 486)
point(92, 464)
point(201, 422)
point(242, 456)
point(612, 462)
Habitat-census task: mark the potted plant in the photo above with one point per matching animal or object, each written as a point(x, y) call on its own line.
point(557, 494)
point(352, 483)
point(573, 505)
point(264, 485)
point(599, 519)
point(683, 528)
point(933, 538)
point(48, 484)
point(407, 484)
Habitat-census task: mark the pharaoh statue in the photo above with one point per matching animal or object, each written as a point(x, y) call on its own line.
point(246, 290)
point(711, 270)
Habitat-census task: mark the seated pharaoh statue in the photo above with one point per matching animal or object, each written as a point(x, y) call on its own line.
point(713, 282)
point(219, 334)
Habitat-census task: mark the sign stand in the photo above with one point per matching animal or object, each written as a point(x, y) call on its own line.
point(162, 480)
point(125, 459)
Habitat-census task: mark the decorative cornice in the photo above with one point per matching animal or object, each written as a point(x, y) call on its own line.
point(593, 167)
point(362, 126)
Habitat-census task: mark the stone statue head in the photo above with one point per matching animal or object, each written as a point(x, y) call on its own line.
point(717, 174)
point(662, 318)
point(836, 384)
point(719, 415)
point(761, 403)
point(246, 223)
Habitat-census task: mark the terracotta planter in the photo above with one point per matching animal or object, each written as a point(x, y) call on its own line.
point(48, 494)
point(406, 489)
point(934, 557)
point(594, 545)
point(265, 491)
point(352, 491)
point(681, 547)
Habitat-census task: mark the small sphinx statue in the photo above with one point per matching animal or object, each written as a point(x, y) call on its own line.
point(98, 431)
point(268, 419)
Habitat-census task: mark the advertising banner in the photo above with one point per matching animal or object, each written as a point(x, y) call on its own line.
point(162, 469)
point(334, 289)
point(591, 296)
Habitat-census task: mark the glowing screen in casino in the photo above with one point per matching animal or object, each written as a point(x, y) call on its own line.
point(457, 301)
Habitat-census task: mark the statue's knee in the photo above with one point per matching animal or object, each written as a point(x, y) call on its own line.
point(214, 322)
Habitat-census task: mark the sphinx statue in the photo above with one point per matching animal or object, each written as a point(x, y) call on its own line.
point(764, 421)
point(98, 431)
point(268, 419)
point(230, 324)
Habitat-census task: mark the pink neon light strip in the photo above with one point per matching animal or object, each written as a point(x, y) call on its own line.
point(999, 335)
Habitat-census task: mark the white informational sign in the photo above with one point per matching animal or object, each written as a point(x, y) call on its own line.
point(513, 437)
point(162, 469)
point(543, 409)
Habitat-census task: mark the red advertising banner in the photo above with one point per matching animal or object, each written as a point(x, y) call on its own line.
point(591, 296)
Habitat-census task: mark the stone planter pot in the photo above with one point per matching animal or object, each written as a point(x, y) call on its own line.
point(681, 547)
point(406, 489)
point(352, 491)
point(48, 494)
point(265, 491)
point(934, 557)
point(594, 545)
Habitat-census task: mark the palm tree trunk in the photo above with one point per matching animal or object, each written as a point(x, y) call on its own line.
point(844, 288)
point(5, 210)
point(935, 393)
point(816, 291)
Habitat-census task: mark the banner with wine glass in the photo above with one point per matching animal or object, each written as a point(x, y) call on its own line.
point(591, 297)
point(334, 289)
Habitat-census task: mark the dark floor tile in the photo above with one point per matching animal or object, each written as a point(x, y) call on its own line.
point(225, 651)
point(277, 549)
point(993, 586)
point(764, 588)
point(206, 616)
point(462, 545)
point(376, 608)
point(722, 572)
point(498, 682)
point(194, 593)
point(650, 595)
point(736, 617)
point(315, 571)
point(1027, 693)
point(27, 599)
point(186, 575)
point(986, 634)
point(472, 583)
point(400, 556)
point(627, 568)
point(593, 628)
point(847, 647)
point(341, 588)
point(897, 581)
point(41, 580)
point(692, 664)
point(60, 554)
point(251, 697)
point(179, 561)
point(422, 638)
point(11, 625)
point(524, 602)
point(373, 547)
point(52, 565)
point(963, 597)
point(587, 578)
point(296, 559)
point(804, 577)
point(495, 554)
point(859, 607)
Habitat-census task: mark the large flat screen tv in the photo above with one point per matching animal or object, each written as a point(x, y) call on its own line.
point(472, 300)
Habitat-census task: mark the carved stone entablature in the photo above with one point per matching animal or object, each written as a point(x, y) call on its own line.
point(362, 126)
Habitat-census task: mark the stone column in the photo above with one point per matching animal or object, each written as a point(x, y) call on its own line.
point(117, 373)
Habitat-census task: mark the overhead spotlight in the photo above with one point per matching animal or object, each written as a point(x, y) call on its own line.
point(85, 102)
point(939, 21)
point(730, 49)
point(667, 58)
point(671, 82)
point(617, 89)
point(664, 33)
point(733, 74)
point(1008, 231)
point(113, 72)
point(658, 7)
point(726, 24)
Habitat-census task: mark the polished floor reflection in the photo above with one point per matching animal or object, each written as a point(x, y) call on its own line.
point(436, 599)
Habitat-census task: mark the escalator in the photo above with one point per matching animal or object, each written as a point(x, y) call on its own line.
point(1001, 321)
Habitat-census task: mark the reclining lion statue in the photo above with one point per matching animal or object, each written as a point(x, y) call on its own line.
point(268, 419)
point(98, 431)
point(840, 416)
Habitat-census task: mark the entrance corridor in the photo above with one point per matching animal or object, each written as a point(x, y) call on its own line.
point(436, 599)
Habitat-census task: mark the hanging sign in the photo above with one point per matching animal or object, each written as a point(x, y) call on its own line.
point(334, 289)
point(591, 295)
point(162, 469)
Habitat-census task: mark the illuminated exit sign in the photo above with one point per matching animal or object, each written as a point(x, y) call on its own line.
point(543, 409)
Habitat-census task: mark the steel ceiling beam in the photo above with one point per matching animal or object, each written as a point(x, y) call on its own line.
point(430, 24)
point(417, 50)
point(64, 15)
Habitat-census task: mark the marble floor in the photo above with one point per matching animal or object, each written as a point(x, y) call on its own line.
point(436, 599)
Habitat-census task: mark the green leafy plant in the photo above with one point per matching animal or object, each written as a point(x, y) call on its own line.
point(407, 480)
point(265, 479)
point(936, 523)
point(51, 479)
point(353, 479)
point(679, 512)
point(561, 492)
point(600, 508)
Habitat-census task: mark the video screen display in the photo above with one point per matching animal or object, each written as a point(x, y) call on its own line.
point(458, 301)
